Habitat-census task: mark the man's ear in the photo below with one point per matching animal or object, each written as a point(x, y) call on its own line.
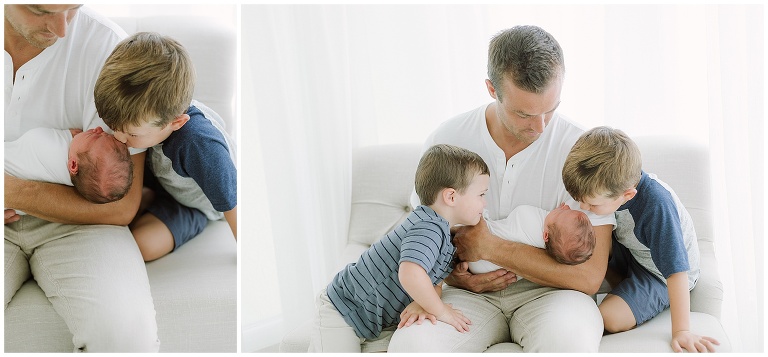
point(448, 195)
point(491, 89)
point(72, 166)
point(179, 121)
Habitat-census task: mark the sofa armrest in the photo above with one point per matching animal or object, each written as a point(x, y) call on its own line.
point(707, 296)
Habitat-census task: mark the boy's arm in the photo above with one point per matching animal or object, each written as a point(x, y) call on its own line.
point(680, 307)
point(63, 204)
point(419, 287)
point(476, 243)
point(231, 217)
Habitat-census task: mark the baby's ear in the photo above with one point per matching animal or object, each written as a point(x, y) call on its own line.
point(72, 166)
point(546, 234)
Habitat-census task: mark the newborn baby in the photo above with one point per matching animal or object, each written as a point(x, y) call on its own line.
point(566, 234)
point(96, 164)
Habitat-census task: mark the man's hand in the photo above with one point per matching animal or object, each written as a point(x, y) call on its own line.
point(11, 216)
point(473, 241)
point(496, 280)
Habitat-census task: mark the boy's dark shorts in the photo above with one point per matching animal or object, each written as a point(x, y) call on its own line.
point(184, 222)
point(646, 294)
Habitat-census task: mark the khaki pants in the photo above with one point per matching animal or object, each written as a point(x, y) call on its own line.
point(93, 275)
point(539, 319)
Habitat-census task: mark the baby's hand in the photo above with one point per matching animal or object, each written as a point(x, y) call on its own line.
point(75, 131)
point(455, 318)
point(692, 342)
point(415, 313)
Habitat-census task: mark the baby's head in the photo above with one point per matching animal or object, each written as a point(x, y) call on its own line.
point(100, 166)
point(568, 235)
point(451, 167)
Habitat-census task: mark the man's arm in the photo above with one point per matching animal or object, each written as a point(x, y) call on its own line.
point(63, 204)
point(476, 243)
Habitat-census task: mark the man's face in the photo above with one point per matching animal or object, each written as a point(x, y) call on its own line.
point(524, 115)
point(40, 25)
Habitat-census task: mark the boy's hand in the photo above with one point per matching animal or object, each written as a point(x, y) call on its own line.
point(455, 318)
point(415, 313)
point(75, 132)
point(692, 342)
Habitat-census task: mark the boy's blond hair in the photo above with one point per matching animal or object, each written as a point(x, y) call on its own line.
point(446, 166)
point(603, 162)
point(147, 78)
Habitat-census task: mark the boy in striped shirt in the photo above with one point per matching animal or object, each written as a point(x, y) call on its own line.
point(398, 280)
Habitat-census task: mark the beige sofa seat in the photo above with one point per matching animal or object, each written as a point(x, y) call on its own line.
point(382, 180)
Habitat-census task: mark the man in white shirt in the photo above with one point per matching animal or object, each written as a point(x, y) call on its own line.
point(525, 143)
point(80, 253)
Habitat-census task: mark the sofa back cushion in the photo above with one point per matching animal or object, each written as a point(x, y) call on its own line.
point(382, 181)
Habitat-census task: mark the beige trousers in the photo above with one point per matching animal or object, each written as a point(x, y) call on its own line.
point(538, 318)
point(93, 275)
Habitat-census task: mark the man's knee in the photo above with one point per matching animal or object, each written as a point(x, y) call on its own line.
point(111, 329)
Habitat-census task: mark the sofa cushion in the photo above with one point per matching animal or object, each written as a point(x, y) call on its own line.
point(381, 190)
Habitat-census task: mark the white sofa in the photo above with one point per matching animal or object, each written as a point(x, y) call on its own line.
point(382, 180)
point(194, 288)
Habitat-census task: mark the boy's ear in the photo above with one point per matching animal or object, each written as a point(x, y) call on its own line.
point(179, 121)
point(629, 194)
point(448, 196)
point(491, 89)
point(72, 166)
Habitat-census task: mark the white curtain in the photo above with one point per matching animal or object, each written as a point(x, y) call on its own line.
point(322, 80)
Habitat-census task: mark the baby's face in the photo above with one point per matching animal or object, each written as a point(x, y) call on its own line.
point(562, 216)
point(96, 141)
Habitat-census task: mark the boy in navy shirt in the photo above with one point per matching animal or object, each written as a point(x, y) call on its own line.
point(144, 94)
point(654, 259)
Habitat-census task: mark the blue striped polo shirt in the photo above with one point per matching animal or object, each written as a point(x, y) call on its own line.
point(368, 293)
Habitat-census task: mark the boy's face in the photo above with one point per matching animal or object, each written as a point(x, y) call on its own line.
point(602, 205)
point(147, 135)
point(471, 204)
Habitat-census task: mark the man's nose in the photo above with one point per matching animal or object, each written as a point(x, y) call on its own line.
point(58, 24)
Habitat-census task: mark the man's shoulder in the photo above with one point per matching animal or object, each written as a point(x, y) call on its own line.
point(99, 25)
